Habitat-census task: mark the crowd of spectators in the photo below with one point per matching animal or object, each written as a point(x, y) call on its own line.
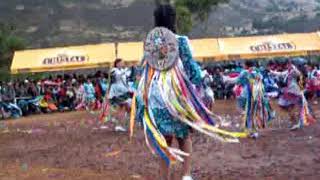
point(65, 92)
point(60, 93)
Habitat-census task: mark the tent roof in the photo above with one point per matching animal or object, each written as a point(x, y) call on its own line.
point(93, 56)
point(64, 58)
point(269, 46)
point(130, 52)
point(204, 49)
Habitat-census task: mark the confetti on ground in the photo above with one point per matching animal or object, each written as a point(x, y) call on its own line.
point(2, 125)
point(82, 123)
point(55, 176)
point(100, 156)
point(36, 131)
point(113, 153)
point(92, 112)
point(6, 131)
point(104, 127)
point(226, 123)
point(136, 176)
point(24, 167)
point(301, 138)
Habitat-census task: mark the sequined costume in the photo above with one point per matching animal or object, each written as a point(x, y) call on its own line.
point(207, 92)
point(166, 100)
point(293, 94)
point(252, 100)
point(120, 91)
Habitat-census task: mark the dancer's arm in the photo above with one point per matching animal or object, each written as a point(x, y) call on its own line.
point(191, 67)
point(230, 80)
point(277, 73)
point(127, 72)
point(296, 70)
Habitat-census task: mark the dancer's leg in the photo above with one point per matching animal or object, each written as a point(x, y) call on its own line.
point(293, 113)
point(186, 146)
point(164, 169)
point(120, 115)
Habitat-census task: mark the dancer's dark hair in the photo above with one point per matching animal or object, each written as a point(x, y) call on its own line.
point(116, 62)
point(165, 16)
point(249, 63)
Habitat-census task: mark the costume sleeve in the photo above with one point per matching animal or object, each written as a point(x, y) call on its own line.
point(230, 80)
point(191, 67)
point(127, 72)
point(139, 109)
point(296, 71)
point(276, 73)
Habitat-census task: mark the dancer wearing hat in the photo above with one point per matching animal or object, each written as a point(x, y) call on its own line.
point(166, 100)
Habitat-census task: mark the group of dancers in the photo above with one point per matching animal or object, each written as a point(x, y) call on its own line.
point(172, 97)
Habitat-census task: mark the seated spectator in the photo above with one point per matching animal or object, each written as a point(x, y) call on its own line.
point(9, 106)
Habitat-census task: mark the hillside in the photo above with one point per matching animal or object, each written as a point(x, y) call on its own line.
point(46, 23)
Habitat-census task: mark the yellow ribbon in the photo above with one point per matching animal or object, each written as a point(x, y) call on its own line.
point(132, 115)
point(159, 138)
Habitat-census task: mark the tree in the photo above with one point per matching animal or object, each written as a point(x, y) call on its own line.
point(190, 10)
point(184, 20)
point(9, 43)
point(200, 8)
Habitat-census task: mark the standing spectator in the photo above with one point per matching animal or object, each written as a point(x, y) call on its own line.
point(80, 94)
point(217, 84)
point(8, 98)
point(2, 113)
point(207, 94)
point(89, 91)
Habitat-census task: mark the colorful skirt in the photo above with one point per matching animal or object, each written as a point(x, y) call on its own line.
point(313, 85)
point(166, 123)
point(288, 99)
point(241, 102)
point(122, 99)
point(90, 99)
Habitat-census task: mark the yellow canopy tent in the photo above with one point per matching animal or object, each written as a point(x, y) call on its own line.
point(203, 49)
point(251, 47)
point(64, 58)
point(93, 56)
point(269, 46)
point(131, 52)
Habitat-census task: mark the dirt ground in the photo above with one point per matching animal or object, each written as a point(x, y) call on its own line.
point(67, 146)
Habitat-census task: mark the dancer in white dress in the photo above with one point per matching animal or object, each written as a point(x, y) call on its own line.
point(120, 94)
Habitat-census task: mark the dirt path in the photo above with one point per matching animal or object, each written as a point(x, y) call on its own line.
point(66, 146)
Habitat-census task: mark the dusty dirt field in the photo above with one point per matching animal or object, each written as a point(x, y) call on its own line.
point(67, 146)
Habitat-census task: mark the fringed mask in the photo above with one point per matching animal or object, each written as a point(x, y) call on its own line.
point(161, 49)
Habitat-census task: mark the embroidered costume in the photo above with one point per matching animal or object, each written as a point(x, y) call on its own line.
point(251, 96)
point(207, 93)
point(120, 91)
point(293, 94)
point(166, 98)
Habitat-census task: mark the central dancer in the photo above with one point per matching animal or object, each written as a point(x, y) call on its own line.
point(166, 100)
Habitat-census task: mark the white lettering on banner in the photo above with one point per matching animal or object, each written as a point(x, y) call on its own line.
point(270, 47)
point(65, 59)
